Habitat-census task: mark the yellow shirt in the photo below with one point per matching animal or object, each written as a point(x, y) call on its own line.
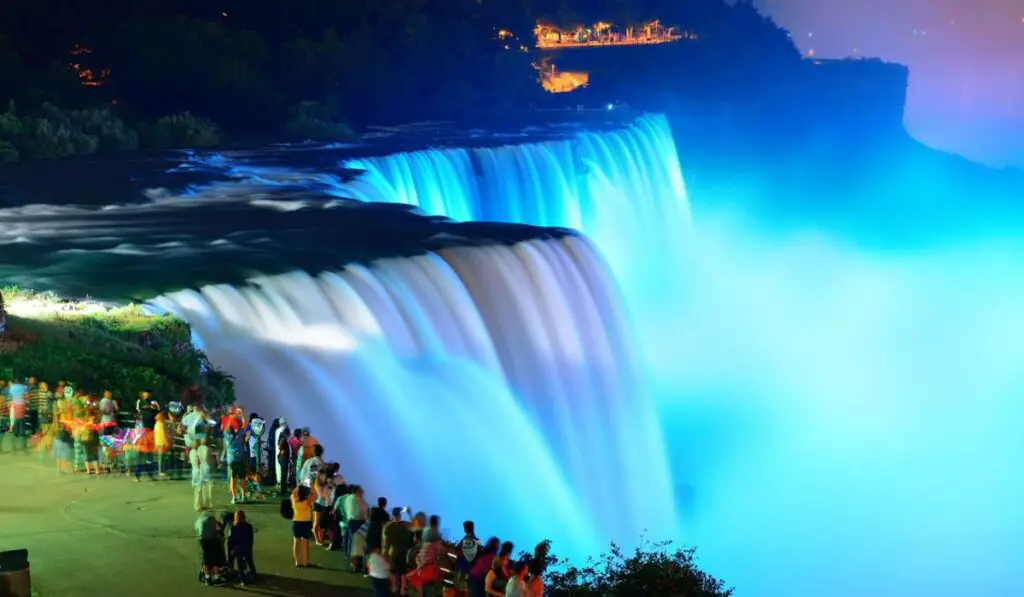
point(303, 510)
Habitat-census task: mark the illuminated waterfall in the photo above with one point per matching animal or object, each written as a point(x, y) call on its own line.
point(622, 188)
point(491, 383)
point(509, 371)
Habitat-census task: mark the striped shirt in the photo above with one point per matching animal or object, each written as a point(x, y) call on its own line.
point(39, 400)
point(431, 553)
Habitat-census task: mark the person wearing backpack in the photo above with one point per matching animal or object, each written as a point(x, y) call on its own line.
point(468, 547)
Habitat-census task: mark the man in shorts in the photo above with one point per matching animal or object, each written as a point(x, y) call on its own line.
point(235, 448)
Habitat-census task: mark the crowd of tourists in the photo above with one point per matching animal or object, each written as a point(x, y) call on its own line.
point(398, 551)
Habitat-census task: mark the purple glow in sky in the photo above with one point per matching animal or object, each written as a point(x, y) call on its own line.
point(966, 60)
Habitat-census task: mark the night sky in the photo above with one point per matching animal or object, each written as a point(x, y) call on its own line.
point(966, 59)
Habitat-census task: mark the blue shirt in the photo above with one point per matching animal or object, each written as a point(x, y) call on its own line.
point(236, 447)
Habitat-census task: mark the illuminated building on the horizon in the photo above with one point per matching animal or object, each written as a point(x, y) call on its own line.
point(550, 37)
point(87, 76)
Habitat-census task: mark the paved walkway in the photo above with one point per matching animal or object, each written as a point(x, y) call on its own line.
point(93, 536)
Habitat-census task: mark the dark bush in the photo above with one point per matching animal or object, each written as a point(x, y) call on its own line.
point(9, 154)
point(315, 121)
point(51, 133)
point(181, 130)
point(651, 570)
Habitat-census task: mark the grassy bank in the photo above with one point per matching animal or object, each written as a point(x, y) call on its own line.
point(99, 347)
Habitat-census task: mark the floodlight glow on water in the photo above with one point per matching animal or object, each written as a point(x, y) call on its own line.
point(839, 419)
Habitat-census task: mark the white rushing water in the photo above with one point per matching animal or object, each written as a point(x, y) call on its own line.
point(497, 384)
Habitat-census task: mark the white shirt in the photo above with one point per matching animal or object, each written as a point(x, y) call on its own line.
point(517, 587)
point(379, 566)
point(189, 423)
point(308, 471)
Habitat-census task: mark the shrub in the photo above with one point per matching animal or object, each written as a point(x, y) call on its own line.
point(123, 349)
point(652, 570)
point(182, 130)
point(314, 121)
point(52, 133)
point(113, 134)
point(9, 154)
point(48, 139)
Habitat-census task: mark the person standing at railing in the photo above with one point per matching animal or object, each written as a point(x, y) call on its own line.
point(36, 403)
point(481, 567)
point(517, 585)
point(18, 411)
point(468, 548)
point(499, 573)
point(4, 418)
point(108, 413)
point(145, 443)
point(397, 539)
point(284, 459)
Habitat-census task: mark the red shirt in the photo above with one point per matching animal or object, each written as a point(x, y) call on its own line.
point(231, 423)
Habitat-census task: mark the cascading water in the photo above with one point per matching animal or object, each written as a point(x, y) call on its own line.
point(622, 188)
point(512, 365)
point(493, 383)
point(850, 415)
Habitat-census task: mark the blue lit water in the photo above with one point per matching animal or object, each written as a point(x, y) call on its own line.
point(839, 402)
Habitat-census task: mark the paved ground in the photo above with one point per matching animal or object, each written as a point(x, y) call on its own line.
point(92, 536)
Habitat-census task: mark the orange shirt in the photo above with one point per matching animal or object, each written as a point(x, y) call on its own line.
point(307, 448)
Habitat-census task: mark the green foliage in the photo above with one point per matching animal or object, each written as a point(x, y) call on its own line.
point(51, 133)
point(9, 154)
point(103, 124)
point(653, 569)
point(122, 349)
point(314, 121)
point(182, 130)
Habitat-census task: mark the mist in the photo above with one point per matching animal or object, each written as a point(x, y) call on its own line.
point(844, 418)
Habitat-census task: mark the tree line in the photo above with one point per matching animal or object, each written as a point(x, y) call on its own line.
point(304, 68)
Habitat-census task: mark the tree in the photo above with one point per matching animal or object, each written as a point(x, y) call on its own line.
point(652, 569)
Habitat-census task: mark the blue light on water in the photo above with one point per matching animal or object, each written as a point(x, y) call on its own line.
point(839, 420)
point(830, 409)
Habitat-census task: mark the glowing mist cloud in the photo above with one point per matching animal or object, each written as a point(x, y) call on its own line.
point(851, 416)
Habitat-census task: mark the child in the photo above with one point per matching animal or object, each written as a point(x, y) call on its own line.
point(240, 547)
point(380, 573)
point(210, 547)
point(469, 546)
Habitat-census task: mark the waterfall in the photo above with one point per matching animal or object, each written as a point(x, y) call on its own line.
point(622, 188)
point(495, 383)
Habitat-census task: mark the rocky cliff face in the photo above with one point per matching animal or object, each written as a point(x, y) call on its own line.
point(860, 100)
